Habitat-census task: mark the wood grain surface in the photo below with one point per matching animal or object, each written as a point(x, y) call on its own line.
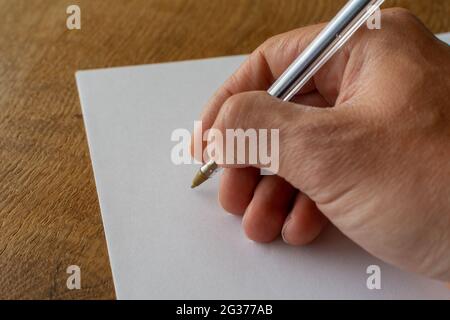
point(49, 213)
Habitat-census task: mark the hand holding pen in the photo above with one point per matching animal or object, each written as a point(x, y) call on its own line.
point(354, 14)
point(364, 144)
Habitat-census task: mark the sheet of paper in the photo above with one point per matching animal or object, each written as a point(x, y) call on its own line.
point(444, 37)
point(168, 241)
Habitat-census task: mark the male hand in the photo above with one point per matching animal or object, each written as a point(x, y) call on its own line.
point(366, 145)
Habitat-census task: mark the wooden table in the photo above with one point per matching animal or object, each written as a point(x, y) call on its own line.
point(49, 213)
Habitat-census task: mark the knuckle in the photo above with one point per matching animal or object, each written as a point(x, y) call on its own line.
point(235, 108)
point(400, 13)
point(231, 111)
point(400, 18)
point(270, 42)
point(397, 19)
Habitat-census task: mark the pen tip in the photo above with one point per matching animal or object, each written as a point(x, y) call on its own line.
point(198, 180)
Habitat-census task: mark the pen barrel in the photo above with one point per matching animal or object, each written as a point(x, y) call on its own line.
point(288, 84)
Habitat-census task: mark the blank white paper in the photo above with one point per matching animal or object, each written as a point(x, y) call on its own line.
point(444, 37)
point(166, 241)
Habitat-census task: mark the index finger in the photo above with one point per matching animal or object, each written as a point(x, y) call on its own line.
point(262, 68)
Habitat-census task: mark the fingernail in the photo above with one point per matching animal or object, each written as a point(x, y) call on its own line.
point(283, 231)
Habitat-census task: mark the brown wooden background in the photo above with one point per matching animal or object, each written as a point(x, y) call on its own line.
point(49, 213)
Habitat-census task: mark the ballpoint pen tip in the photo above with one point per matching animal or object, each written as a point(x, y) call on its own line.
point(198, 180)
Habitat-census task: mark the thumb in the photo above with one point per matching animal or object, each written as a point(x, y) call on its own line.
point(302, 138)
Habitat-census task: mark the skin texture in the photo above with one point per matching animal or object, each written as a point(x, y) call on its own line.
point(365, 145)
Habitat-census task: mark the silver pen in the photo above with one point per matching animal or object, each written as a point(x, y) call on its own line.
point(349, 19)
